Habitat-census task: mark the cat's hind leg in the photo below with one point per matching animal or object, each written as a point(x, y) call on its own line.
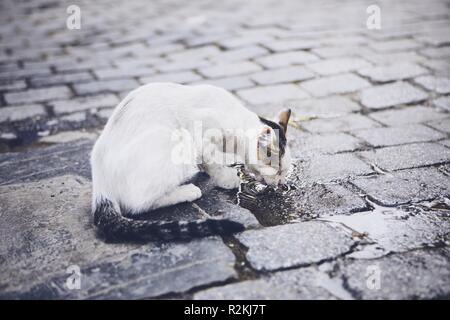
point(184, 193)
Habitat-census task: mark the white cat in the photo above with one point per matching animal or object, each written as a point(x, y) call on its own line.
point(133, 164)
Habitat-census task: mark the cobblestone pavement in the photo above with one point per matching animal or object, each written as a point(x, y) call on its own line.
point(370, 136)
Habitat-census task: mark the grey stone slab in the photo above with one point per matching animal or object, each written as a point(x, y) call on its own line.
point(442, 52)
point(230, 83)
point(345, 123)
point(53, 230)
point(380, 137)
point(421, 274)
point(18, 113)
point(272, 94)
point(303, 145)
point(415, 114)
point(442, 125)
point(41, 81)
point(47, 162)
point(304, 284)
point(397, 71)
point(12, 84)
point(437, 84)
point(240, 54)
point(288, 74)
point(389, 95)
point(114, 73)
point(324, 168)
point(407, 156)
point(285, 59)
point(395, 45)
point(38, 95)
point(323, 107)
point(405, 186)
point(229, 69)
point(338, 84)
point(294, 244)
point(338, 65)
point(105, 86)
point(178, 77)
point(84, 103)
point(443, 102)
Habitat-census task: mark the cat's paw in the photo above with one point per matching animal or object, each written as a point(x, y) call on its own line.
point(191, 192)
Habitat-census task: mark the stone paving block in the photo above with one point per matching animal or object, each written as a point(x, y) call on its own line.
point(178, 77)
point(18, 113)
point(6, 85)
point(436, 84)
point(55, 214)
point(395, 45)
point(291, 44)
point(407, 156)
point(397, 71)
point(85, 103)
point(305, 283)
point(43, 163)
point(291, 245)
point(285, 59)
point(389, 95)
point(41, 81)
point(338, 84)
point(288, 74)
point(380, 137)
point(240, 54)
point(415, 114)
point(229, 69)
point(442, 125)
point(177, 66)
point(302, 145)
point(323, 107)
point(421, 274)
point(338, 65)
point(38, 95)
point(23, 73)
point(105, 86)
point(230, 83)
point(389, 58)
point(195, 53)
point(443, 102)
point(112, 73)
point(341, 51)
point(442, 52)
point(272, 94)
point(345, 123)
point(405, 186)
point(325, 168)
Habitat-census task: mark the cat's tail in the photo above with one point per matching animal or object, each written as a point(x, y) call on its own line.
point(115, 226)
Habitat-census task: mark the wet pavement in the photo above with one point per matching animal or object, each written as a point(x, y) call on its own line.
point(367, 215)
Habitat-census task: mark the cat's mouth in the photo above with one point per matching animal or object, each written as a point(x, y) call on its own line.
point(252, 189)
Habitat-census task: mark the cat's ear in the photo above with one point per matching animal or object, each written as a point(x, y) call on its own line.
point(283, 118)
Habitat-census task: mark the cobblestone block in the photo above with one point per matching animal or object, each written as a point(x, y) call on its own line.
point(38, 95)
point(338, 65)
point(345, 123)
point(415, 114)
point(436, 84)
point(380, 137)
point(398, 71)
point(344, 83)
point(441, 125)
point(389, 95)
point(324, 107)
point(443, 102)
point(272, 94)
point(178, 77)
point(18, 113)
point(230, 83)
point(41, 81)
point(270, 248)
point(407, 156)
point(105, 86)
point(288, 74)
point(395, 45)
point(405, 186)
point(231, 69)
point(123, 72)
point(6, 85)
point(84, 103)
point(285, 59)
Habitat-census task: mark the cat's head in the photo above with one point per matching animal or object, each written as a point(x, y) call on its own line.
point(273, 155)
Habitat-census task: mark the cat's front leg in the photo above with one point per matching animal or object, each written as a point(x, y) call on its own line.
point(223, 176)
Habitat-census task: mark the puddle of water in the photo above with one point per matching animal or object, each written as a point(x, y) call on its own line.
point(400, 229)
